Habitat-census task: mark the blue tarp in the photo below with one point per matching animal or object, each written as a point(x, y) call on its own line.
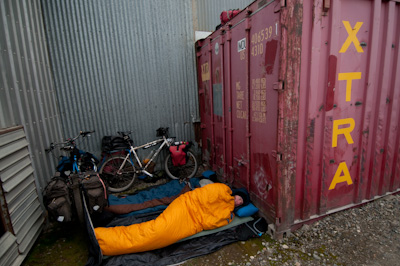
point(169, 189)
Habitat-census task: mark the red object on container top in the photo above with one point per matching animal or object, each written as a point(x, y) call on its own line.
point(228, 15)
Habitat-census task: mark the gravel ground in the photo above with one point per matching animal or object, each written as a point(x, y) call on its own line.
point(367, 235)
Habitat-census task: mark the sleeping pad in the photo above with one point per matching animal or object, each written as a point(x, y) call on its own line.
point(204, 208)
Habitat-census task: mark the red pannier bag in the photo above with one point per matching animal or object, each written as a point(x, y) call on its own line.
point(178, 154)
point(228, 15)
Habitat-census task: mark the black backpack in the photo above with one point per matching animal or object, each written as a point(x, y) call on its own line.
point(57, 200)
point(95, 191)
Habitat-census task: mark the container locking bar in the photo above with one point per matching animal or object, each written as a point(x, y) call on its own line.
point(278, 86)
point(326, 5)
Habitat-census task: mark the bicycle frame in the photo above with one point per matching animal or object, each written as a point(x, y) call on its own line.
point(75, 168)
point(72, 150)
point(143, 168)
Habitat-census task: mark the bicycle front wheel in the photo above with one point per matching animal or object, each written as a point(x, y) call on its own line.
point(117, 179)
point(187, 170)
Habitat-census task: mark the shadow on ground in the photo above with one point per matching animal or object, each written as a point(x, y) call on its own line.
point(60, 244)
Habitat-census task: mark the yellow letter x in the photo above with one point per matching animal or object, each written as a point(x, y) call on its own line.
point(352, 38)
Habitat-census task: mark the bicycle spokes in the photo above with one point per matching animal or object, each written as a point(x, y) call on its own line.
point(117, 177)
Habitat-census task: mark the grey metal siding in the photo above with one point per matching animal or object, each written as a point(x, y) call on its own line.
point(123, 65)
point(19, 196)
point(26, 88)
point(28, 120)
point(9, 249)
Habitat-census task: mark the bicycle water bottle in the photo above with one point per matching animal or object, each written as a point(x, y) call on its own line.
point(151, 166)
point(148, 157)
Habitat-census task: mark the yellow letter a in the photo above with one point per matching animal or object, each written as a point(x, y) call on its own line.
point(341, 178)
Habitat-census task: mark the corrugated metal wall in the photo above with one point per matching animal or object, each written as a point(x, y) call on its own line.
point(123, 65)
point(117, 65)
point(20, 206)
point(28, 120)
point(26, 87)
point(206, 13)
point(126, 65)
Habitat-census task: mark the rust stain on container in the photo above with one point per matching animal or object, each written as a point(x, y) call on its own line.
point(271, 49)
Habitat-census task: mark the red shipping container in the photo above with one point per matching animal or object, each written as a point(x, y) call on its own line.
point(300, 104)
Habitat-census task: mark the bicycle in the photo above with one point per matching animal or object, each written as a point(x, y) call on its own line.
point(120, 171)
point(72, 167)
point(77, 161)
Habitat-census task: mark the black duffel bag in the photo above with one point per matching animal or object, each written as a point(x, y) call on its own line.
point(113, 143)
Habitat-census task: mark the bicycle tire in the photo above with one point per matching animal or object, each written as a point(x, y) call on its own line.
point(118, 182)
point(184, 171)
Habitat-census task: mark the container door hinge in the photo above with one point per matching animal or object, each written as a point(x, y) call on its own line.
point(247, 24)
point(277, 155)
point(278, 86)
point(326, 5)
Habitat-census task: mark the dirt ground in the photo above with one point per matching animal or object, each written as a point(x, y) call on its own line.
point(367, 235)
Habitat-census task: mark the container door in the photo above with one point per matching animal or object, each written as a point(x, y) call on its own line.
point(205, 92)
point(227, 106)
point(218, 154)
point(358, 109)
point(264, 85)
point(240, 106)
point(350, 95)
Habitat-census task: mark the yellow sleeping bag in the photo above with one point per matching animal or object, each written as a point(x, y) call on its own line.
point(204, 208)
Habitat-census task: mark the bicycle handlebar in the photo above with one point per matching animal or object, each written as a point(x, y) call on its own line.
point(84, 133)
point(69, 141)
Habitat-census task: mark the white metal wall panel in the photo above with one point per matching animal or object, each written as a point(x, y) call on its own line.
point(27, 96)
point(21, 199)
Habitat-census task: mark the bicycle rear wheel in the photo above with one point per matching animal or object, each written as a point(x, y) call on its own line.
point(183, 171)
point(118, 181)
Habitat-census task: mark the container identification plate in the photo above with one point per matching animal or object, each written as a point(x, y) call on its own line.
point(241, 45)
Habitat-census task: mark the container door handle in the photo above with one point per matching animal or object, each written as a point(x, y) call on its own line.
point(276, 155)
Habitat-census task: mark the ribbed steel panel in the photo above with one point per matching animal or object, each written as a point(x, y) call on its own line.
point(123, 65)
point(19, 196)
point(26, 88)
point(206, 13)
point(9, 249)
